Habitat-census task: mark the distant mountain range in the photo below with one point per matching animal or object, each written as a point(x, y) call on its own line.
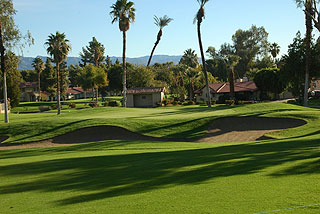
point(26, 62)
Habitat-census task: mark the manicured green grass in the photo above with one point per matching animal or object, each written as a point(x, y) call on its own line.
point(162, 177)
point(33, 107)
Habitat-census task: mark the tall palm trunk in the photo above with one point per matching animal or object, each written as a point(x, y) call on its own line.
point(97, 91)
point(231, 81)
point(39, 88)
point(308, 53)
point(154, 47)
point(3, 68)
point(97, 88)
point(204, 67)
point(124, 66)
point(58, 87)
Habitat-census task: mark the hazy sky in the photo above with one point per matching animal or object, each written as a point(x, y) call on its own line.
point(83, 19)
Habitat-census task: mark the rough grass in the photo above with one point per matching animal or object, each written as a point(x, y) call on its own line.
point(162, 177)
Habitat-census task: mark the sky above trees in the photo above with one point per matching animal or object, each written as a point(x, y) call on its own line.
point(83, 19)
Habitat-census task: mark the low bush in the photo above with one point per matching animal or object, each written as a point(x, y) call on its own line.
point(230, 102)
point(93, 104)
point(72, 105)
point(245, 102)
point(105, 104)
point(175, 103)
point(114, 103)
point(188, 103)
point(44, 108)
point(54, 106)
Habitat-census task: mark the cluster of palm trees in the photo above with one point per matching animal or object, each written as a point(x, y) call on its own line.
point(123, 11)
point(58, 48)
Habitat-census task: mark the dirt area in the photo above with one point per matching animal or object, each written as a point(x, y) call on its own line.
point(229, 129)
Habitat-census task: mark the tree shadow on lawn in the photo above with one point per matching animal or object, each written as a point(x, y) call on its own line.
point(20, 129)
point(202, 109)
point(126, 174)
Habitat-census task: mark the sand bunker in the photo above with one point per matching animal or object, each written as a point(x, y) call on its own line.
point(228, 129)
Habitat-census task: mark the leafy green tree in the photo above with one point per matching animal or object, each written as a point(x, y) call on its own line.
point(14, 79)
point(108, 62)
point(29, 75)
point(48, 81)
point(58, 47)
point(216, 65)
point(199, 18)
point(163, 74)
point(189, 58)
point(38, 65)
point(10, 37)
point(124, 13)
point(94, 53)
point(64, 79)
point(140, 77)
point(115, 74)
point(268, 80)
point(161, 23)
point(249, 45)
point(73, 73)
point(92, 77)
point(293, 63)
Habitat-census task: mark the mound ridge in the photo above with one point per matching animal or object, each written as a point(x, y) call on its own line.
point(227, 129)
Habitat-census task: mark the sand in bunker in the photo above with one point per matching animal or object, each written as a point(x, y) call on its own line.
point(228, 129)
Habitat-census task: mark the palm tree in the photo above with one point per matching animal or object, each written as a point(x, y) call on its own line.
point(192, 76)
point(274, 49)
point(161, 23)
point(190, 58)
point(232, 61)
point(315, 15)
point(309, 12)
point(39, 66)
point(124, 13)
point(58, 47)
point(199, 17)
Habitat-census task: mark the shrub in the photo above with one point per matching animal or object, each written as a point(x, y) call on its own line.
point(114, 103)
point(190, 102)
point(246, 102)
point(54, 106)
point(44, 108)
point(175, 103)
point(72, 105)
point(105, 104)
point(222, 99)
point(230, 102)
point(93, 104)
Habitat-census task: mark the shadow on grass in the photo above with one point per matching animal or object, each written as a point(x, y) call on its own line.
point(125, 174)
point(21, 127)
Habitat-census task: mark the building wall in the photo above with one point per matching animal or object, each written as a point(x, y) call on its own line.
point(144, 100)
point(203, 96)
point(130, 101)
point(2, 108)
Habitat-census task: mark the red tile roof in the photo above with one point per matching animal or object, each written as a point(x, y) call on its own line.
point(77, 90)
point(145, 90)
point(214, 87)
point(239, 87)
point(225, 87)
